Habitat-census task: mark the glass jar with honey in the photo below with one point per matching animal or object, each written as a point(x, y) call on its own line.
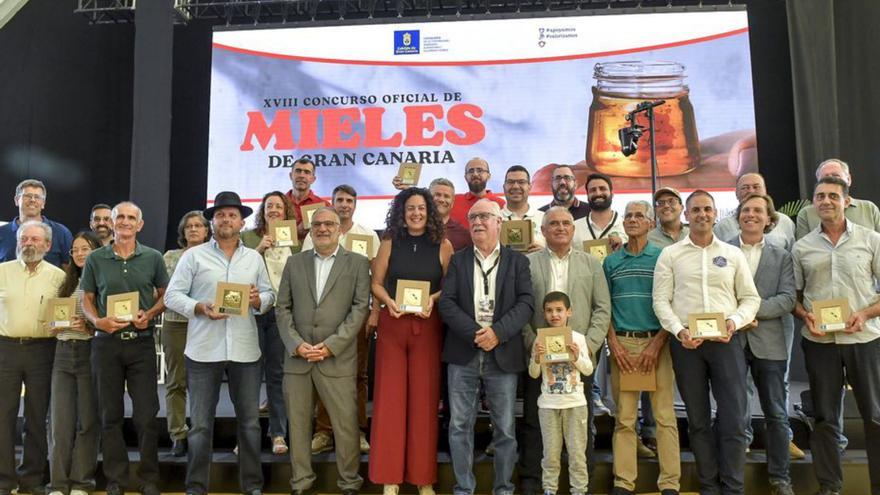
point(620, 87)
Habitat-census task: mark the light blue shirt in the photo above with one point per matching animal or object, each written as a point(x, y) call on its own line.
point(195, 280)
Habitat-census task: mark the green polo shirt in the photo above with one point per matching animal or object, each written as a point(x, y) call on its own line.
point(630, 282)
point(106, 274)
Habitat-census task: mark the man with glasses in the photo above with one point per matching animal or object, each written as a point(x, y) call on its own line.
point(477, 175)
point(579, 275)
point(27, 352)
point(486, 301)
point(781, 233)
point(517, 186)
point(302, 176)
point(670, 229)
point(323, 300)
point(30, 198)
point(101, 224)
point(564, 184)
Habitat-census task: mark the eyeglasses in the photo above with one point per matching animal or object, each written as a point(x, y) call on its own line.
point(33, 197)
point(563, 178)
point(483, 217)
point(327, 223)
point(195, 227)
point(517, 182)
point(476, 171)
point(659, 203)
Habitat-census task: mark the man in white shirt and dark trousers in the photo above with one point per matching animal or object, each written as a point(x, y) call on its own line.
point(840, 259)
point(702, 274)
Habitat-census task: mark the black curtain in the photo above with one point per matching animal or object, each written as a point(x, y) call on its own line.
point(65, 109)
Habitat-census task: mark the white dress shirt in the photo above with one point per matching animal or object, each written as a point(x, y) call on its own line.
point(693, 279)
point(486, 262)
point(582, 228)
point(323, 265)
point(559, 271)
point(752, 253)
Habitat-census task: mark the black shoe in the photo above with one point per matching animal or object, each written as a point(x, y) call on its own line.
point(150, 489)
point(619, 490)
point(530, 488)
point(178, 448)
point(114, 489)
point(307, 491)
point(350, 491)
point(669, 491)
point(254, 492)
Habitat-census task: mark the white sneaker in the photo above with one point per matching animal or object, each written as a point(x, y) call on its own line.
point(78, 492)
point(390, 489)
point(56, 493)
point(426, 490)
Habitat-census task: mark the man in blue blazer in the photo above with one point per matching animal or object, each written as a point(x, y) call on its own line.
point(765, 344)
point(486, 301)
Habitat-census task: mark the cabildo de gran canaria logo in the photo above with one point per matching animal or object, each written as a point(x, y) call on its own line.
point(406, 42)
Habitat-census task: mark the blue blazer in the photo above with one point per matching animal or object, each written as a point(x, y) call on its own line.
point(513, 309)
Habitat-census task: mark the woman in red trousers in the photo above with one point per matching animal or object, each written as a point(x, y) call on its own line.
point(406, 392)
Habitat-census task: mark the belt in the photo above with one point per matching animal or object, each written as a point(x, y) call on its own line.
point(125, 334)
point(74, 341)
point(25, 340)
point(644, 334)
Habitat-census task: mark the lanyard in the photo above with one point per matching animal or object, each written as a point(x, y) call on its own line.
point(610, 224)
point(486, 273)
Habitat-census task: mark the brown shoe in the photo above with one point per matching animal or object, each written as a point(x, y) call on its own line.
point(643, 451)
point(795, 452)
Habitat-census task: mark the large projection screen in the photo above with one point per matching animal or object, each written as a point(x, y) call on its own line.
point(360, 99)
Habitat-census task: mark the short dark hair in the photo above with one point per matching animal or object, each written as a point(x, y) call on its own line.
point(306, 161)
point(344, 188)
point(599, 175)
point(837, 181)
point(101, 206)
point(699, 192)
point(518, 168)
point(557, 296)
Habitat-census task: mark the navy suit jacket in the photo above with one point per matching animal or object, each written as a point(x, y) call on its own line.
point(513, 309)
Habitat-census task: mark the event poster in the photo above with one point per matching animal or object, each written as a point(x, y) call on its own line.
point(360, 99)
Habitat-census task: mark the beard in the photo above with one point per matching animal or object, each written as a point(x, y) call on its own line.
point(600, 204)
point(477, 186)
point(563, 194)
point(29, 254)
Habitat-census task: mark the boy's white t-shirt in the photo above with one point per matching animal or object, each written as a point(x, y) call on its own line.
point(561, 385)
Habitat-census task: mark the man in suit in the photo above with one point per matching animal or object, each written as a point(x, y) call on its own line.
point(766, 346)
point(322, 303)
point(580, 276)
point(486, 301)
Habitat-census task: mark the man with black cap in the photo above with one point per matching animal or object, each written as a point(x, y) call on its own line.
point(123, 350)
point(222, 340)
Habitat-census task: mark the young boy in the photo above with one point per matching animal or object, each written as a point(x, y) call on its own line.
point(562, 406)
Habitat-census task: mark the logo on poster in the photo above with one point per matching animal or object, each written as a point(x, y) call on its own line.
point(406, 42)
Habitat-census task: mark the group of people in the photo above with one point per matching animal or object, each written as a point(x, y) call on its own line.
point(314, 307)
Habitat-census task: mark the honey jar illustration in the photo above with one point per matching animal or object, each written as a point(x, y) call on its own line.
point(619, 88)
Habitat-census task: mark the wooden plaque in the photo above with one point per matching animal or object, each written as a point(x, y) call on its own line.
point(638, 381)
point(412, 295)
point(283, 233)
point(831, 314)
point(123, 306)
point(516, 234)
point(60, 312)
point(707, 326)
point(600, 248)
point(307, 212)
point(360, 243)
point(409, 173)
point(556, 341)
point(232, 299)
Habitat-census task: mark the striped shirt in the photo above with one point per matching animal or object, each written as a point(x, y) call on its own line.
point(631, 281)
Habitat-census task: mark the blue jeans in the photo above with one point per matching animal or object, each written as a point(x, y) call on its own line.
point(770, 383)
point(464, 398)
point(272, 361)
point(203, 381)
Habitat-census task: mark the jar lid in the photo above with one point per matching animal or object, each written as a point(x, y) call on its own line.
point(637, 79)
point(638, 69)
